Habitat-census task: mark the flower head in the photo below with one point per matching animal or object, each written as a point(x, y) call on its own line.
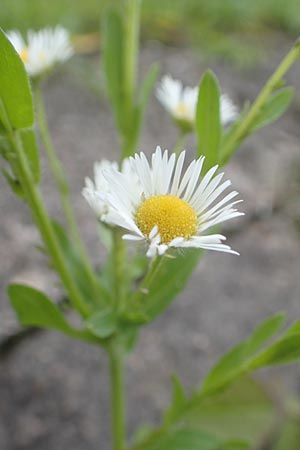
point(42, 49)
point(181, 103)
point(95, 192)
point(166, 208)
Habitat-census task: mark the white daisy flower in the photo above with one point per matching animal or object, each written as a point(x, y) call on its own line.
point(42, 49)
point(95, 191)
point(167, 208)
point(181, 103)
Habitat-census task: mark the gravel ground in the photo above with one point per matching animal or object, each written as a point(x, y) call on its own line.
point(53, 391)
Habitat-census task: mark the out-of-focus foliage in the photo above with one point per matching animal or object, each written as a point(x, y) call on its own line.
point(233, 29)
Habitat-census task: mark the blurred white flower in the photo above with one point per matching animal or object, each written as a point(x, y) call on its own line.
point(181, 103)
point(164, 207)
point(42, 49)
point(95, 192)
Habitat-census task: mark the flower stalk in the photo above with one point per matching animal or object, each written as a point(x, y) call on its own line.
point(132, 27)
point(242, 130)
point(45, 227)
point(62, 185)
point(117, 397)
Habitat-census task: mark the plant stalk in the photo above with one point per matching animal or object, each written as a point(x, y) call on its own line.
point(62, 185)
point(272, 83)
point(117, 395)
point(132, 27)
point(44, 224)
point(179, 144)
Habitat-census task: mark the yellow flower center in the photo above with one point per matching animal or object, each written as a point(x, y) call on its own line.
point(173, 216)
point(24, 55)
point(183, 110)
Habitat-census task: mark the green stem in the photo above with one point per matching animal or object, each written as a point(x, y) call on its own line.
point(130, 55)
point(179, 144)
point(62, 184)
point(44, 224)
point(117, 395)
point(272, 83)
point(143, 288)
point(132, 26)
point(119, 257)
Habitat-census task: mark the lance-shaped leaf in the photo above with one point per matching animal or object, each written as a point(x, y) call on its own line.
point(276, 105)
point(236, 362)
point(15, 90)
point(208, 122)
point(34, 308)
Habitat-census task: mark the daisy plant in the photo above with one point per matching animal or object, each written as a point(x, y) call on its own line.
point(157, 212)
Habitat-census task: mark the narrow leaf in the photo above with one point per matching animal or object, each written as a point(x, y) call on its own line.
point(14, 184)
point(178, 400)
point(284, 351)
point(34, 308)
point(208, 122)
point(15, 90)
point(276, 105)
point(235, 362)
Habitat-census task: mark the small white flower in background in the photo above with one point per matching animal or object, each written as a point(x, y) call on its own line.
point(181, 103)
point(95, 192)
point(43, 49)
point(164, 207)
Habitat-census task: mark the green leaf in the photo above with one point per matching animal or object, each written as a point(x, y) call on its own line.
point(103, 323)
point(77, 269)
point(289, 435)
point(208, 122)
point(155, 295)
point(185, 439)
point(244, 412)
point(14, 184)
point(276, 105)
point(235, 362)
point(15, 90)
point(178, 400)
point(285, 351)
point(113, 62)
point(147, 86)
point(34, 308)
point(31, 151)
